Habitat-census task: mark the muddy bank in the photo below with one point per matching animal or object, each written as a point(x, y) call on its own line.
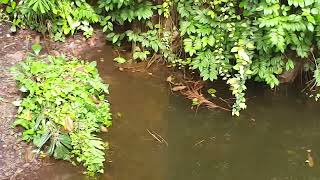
point(17, 158)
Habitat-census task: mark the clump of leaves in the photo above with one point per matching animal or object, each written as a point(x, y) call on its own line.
point(120, 60)
point(3, 16)
point(58, 18)
point(63, 108)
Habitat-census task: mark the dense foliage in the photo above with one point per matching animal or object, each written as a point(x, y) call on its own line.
point(58, 18)
point(64, 106)
point(235, 40)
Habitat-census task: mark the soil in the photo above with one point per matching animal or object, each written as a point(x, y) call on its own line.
point(17, 158)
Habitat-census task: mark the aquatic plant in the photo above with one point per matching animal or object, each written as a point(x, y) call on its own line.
point(64, 105)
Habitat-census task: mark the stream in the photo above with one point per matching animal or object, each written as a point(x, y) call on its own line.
point(269, 141)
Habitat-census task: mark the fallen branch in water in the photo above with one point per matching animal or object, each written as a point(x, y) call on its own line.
point(192, 90)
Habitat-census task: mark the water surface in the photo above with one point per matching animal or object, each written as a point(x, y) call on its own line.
point(267, 142)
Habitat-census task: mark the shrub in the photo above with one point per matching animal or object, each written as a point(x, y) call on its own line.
point(63, 108)
point(58, 18)
point(236, 40)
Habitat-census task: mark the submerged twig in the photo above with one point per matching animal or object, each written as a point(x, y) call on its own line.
point(198, 143)
point(159, 138)
point(225, 101)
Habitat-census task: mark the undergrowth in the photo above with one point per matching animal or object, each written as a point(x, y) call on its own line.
point(233, 40)
point(58, 18)
point(64, 106)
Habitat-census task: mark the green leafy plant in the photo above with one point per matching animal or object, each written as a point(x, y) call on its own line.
point(59, 18)
point(246, 39)
point(120, 60)
point(236, 41)
point(138, 54)
point(155, 39)
point(63, 108)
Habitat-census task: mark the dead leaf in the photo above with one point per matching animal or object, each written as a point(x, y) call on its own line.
point(80, 69)
point(103, 129)
point(29, 116)
point(29, 155)
point(95, 99)
point(169, 79)
point(178, 88)
point(68, 124)
point(310, 160)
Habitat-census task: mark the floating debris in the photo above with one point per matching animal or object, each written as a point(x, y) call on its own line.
point(310, 160)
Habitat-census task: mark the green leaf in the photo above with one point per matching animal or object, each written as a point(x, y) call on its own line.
point(120, 60)
point(43, 139)
point(22, 122)
point(310, 27)
point(36, 48)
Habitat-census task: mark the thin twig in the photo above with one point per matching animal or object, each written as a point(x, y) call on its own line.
point(8, 45)
point(157, 136)
point(162, 139)
point(225, 102)
point(154, 136)
point(198, 143)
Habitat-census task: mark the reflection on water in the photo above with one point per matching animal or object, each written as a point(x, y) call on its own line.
point(268, 142)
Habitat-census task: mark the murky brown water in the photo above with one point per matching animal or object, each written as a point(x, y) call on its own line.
point(268, 142)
